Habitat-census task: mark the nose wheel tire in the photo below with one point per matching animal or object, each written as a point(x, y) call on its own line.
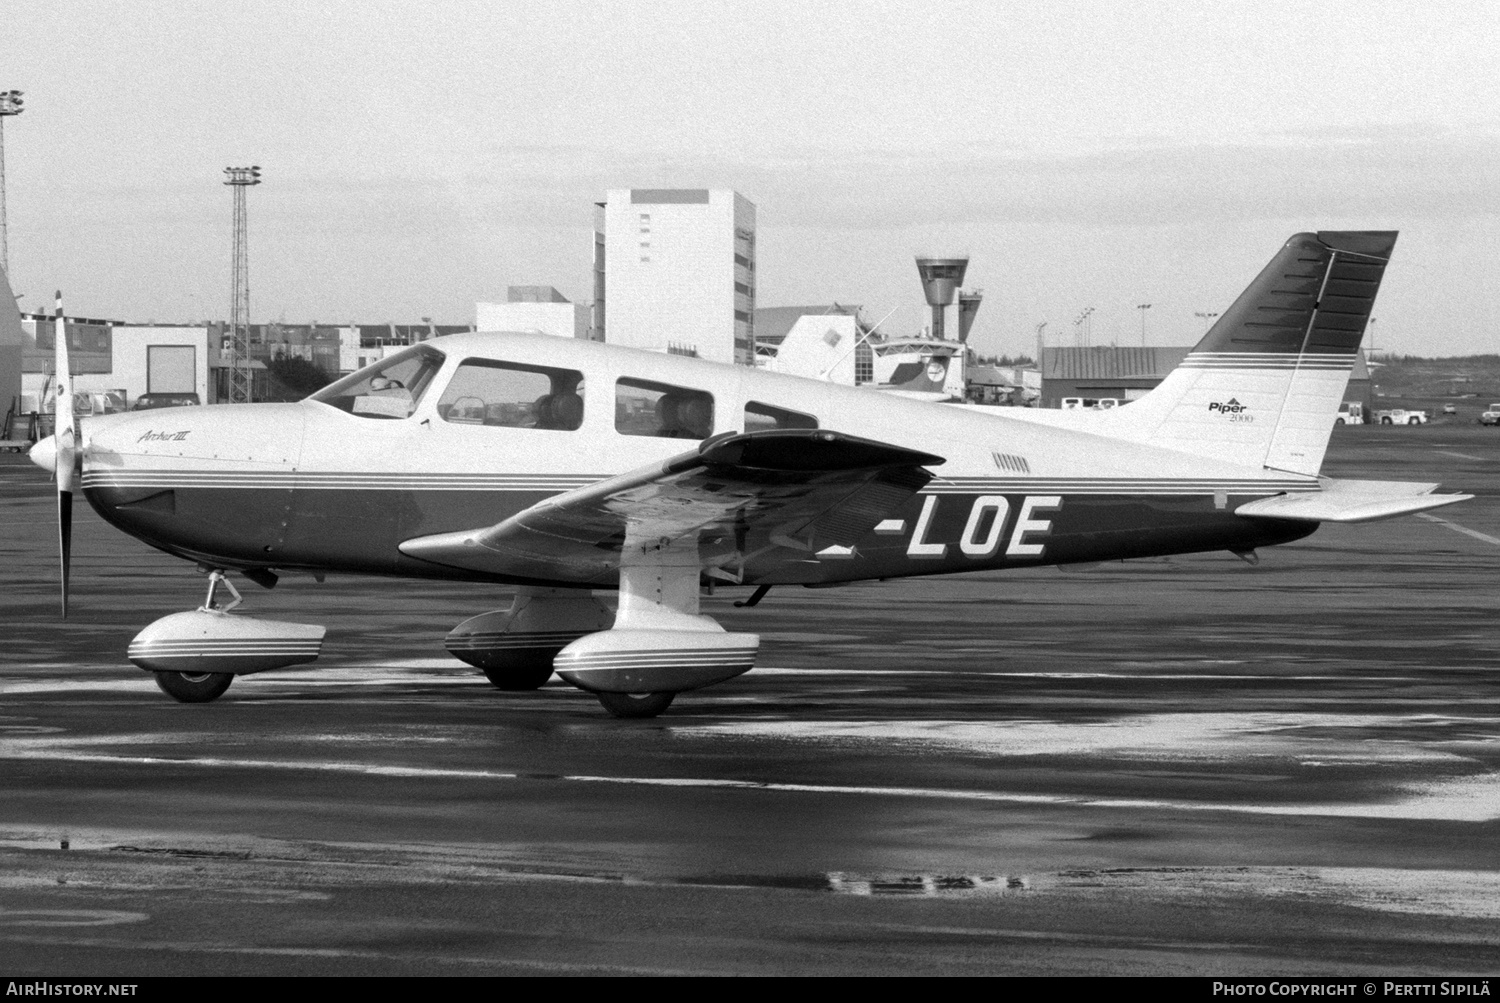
point(635, 704)
point(194, 687)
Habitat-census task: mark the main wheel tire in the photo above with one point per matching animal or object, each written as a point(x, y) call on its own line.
point(635, 704)
point(519, 680)
point(194, 687)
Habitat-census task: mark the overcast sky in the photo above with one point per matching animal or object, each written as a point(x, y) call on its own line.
point(419, 157)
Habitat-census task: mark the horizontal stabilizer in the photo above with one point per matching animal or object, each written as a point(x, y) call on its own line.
point(1350, 501)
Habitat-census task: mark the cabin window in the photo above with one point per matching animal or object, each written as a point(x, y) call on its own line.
point(661, 409)
point(762, 417)
point(390, 388)
point(508, 395)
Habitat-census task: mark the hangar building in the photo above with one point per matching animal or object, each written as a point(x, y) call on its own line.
point(1127, 374)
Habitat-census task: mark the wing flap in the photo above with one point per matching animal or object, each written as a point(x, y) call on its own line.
point(1351, 501)
point(798, 489)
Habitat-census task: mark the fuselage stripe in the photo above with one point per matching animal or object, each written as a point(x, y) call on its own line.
point(1033, 485)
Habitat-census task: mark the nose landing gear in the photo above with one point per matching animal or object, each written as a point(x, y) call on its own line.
point(196, 655)
point(193, 687)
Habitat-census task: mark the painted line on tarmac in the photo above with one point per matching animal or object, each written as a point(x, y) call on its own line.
point(1125, 675)
point(1477, 802)
point(1461, 456)
point(370, 769)
point(220, 947)
point(146, 687)
point(1465, 530)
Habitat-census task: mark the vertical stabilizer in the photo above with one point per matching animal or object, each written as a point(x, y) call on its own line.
point(1264, 385)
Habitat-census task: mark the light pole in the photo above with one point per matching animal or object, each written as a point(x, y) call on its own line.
point(1207, 318)
point(10, 104)
point(240, 385)
point(1143, 307)
point(1372, 338)
point(1082, 326)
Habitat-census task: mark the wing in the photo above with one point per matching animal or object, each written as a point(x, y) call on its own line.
point(1350, 501)
point(767, 497)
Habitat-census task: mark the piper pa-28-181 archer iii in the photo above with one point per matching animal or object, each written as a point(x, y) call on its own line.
point(558, 467)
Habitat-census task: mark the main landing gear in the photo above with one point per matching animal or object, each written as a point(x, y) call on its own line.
point(636, 704)
point(515, 647)
point(196, 655)
point(659, 644)
point(634, 661)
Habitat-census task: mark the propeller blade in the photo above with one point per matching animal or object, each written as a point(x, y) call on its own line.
point(66, 438)
point(65, 541)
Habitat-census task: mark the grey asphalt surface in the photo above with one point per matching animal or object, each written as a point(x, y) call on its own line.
point(1178, 766)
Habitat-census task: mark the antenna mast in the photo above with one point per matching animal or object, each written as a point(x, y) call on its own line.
point(240, 178)
point(10, 104)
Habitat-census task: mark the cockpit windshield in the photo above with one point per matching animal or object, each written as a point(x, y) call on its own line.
point(390, 388)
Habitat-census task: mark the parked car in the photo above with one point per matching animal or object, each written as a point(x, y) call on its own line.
point(1401, 416)
point(95, 402)
point(1450, 409)
point(145, 402)
point(1492, 416)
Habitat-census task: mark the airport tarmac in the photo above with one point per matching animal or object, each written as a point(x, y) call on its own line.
point(1178, 766)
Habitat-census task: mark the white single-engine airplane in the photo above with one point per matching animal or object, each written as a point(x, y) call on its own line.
point(558, 467)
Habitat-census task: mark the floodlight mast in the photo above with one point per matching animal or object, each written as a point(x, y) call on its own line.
point(10, 104)
point(240, 384)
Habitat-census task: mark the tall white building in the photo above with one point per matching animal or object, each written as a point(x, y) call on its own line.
point(674, 271)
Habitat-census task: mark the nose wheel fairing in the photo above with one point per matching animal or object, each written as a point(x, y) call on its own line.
point(195, 655)
point(213, 641)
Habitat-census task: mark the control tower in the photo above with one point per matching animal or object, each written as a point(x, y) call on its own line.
point(952, 314)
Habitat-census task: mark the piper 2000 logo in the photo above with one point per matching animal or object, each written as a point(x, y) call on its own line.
point(1233, 408)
